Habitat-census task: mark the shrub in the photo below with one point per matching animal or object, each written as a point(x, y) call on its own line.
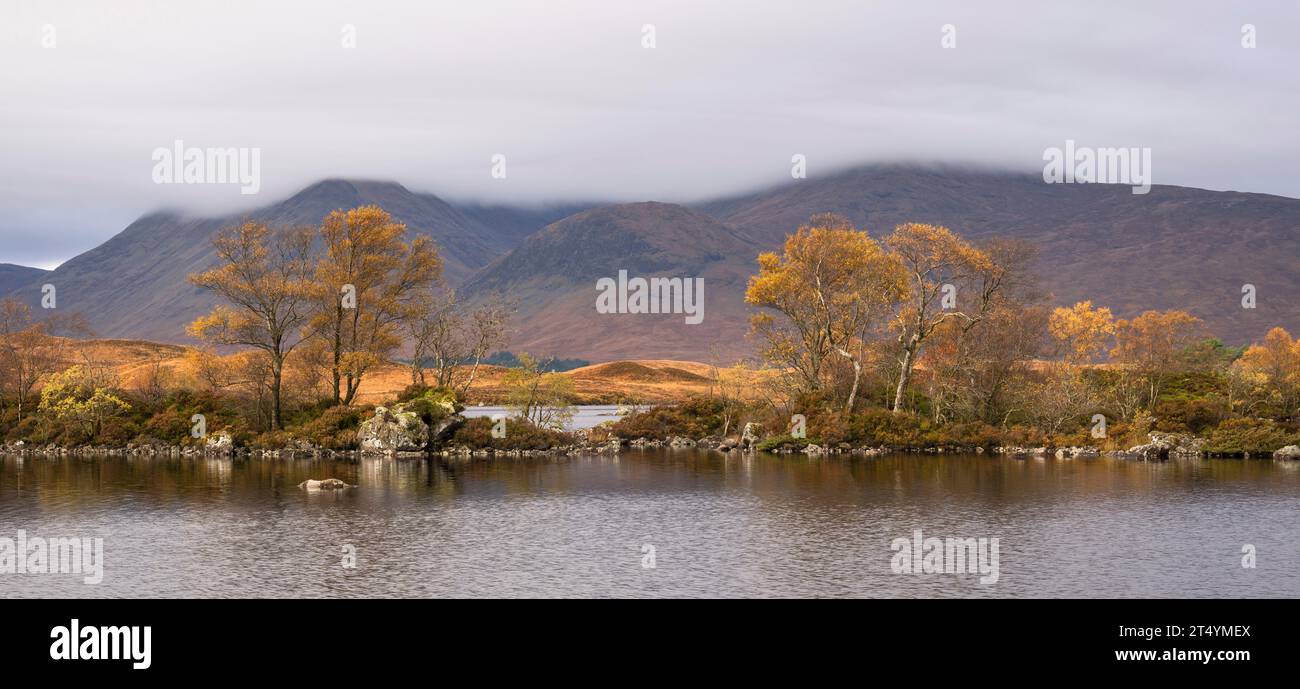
point(168, 426)
point(433, 405)
point(335, 429)
point(1187, 415)
point(521, 434)
point(1241, 436)
point(696, 417)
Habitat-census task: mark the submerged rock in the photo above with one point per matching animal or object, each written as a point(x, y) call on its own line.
point(324, 484)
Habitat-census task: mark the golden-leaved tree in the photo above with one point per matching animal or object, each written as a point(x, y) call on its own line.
point(1081, 333)
point(1153, 346)
point(265, 278)
point(978, 368)
point(938, 264)
point(367, 282)
point(828, 293)
point(1274, 368)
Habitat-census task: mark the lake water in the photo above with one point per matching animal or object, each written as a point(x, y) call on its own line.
point(584, 416)
point(758, 525)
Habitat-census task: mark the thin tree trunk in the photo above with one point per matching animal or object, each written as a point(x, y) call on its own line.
point(277, 371)
point(904, 375)
point(857, 375)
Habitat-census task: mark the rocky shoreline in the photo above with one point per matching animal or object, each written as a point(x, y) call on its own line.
point(1162, 446)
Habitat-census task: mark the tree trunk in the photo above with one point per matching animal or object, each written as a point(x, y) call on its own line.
point(277, 371)
point(904, 375)
point(354, 384)
point(857, 375)
point(338, 351)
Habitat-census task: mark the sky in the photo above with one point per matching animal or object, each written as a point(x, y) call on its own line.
point(627, 101)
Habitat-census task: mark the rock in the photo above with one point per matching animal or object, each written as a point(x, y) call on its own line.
point(680, 441)
point(1074, 452)
point(751, 435)
point(1166, 445)
point(325, 484)
point(814, 449)
point(1288, 452)
point(394, 430)
point(1150, 452)
point(1021, 451)
point(444, 429)
point(221, 441)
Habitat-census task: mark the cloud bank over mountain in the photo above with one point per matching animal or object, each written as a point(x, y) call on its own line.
point(583, 111)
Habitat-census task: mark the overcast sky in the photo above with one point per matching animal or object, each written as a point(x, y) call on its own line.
point(581, 110)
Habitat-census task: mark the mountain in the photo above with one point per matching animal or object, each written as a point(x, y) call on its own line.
point(553, 276)
point(1172, 248)
point(14, 276)
point(136, 284)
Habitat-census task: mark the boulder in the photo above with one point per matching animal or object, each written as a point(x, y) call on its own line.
point(751, 435)
point(392, 430)
point(1166, 445)
point(680, 441)
point(221, 441)
point(325, 484)
point(444, 429)
point(1288, 452)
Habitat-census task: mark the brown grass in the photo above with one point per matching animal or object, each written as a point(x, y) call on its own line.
point(638, 381)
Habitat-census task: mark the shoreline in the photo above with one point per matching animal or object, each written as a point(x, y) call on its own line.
point(617, 445)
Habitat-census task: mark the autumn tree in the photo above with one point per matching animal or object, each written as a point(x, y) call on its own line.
point(82, 398)
point(453, 338)
point(29, 350)
point(827, 294)
point(265, 278)
point(975, 367)
point(538, 394)
point(1081, 333)
point(1273, 367)
point(939, 267)
point(367, 280)
point(1153, 346)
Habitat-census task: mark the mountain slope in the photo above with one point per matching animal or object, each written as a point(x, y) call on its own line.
point(14, 276)
point(136, 284)
point(553, 276)
point(1174, 248)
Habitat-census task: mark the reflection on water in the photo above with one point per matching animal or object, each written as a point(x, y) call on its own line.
point(720, 526)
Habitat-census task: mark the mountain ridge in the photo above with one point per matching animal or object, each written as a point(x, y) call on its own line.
point(1175, 247)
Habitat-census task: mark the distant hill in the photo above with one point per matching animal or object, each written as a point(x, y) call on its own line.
point(553, 276)
point(1175, 247)
point(135, 284)
point(13, 276)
